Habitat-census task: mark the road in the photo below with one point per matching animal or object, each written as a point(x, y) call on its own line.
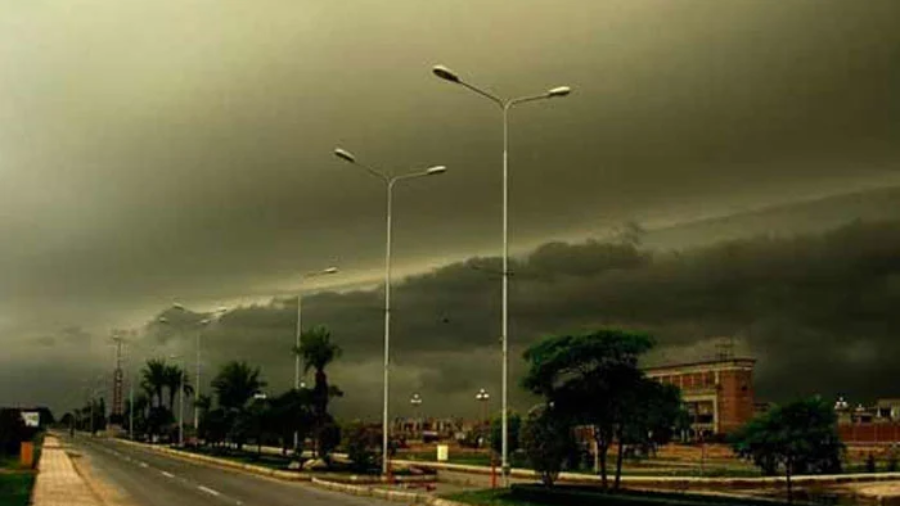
point(148, 478)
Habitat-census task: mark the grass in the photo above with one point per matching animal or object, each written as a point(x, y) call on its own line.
point(488, 497)
point(244, 457)
point(15, 488)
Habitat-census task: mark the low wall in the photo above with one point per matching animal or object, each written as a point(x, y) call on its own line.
point(873, 433)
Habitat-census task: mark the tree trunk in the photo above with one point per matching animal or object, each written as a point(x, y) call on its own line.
point(602, 448)
point(619, 458)
point(790, 491)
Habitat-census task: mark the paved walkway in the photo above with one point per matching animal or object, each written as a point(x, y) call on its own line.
point(57, 482)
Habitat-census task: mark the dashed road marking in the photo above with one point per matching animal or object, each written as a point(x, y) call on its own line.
point(167, 474)
point(208, 490)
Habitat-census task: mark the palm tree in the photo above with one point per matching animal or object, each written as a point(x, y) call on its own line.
point(154, 379)
point(237, 383)
point(318, 351)
point(176, 379)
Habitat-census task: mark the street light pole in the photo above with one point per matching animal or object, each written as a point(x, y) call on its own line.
point(181, 398)
point(131, 408)
point(416, 401)
point(505, 106)
point(389, 181)
point(202, 324)
point(299, 331)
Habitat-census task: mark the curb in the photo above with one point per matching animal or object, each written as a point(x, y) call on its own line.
point(666, 481)
point(220, 463)
point(390, 495)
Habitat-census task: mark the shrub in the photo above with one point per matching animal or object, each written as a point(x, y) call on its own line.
point(870, 463)
point(547, 441)
point(362, 443)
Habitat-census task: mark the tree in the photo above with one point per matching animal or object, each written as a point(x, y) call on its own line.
point(652, 414)
point(237, 383)
point(514, 422)
point(547, 440)
point(318, 351)
point(292, 411)
point(590, 379)
point(175, 379)
point(800, 437)
point(362, 445)
point(154, 379)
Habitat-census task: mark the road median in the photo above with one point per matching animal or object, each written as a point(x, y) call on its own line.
point(220, 463)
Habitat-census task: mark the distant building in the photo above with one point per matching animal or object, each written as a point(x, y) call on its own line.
point(875, 424)
point(718, 394)
point(888, 409)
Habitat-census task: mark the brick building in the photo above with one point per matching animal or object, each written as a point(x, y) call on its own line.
point(718, 394)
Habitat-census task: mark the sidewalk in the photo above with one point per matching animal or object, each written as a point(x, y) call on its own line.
point(57, 482)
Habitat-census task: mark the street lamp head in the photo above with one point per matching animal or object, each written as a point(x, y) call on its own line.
point(445, 73)
point(433, 171)
point(559, 91)
point(330, 270)
point(345, 155)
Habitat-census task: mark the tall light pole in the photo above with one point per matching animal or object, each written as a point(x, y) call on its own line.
point(216, 315)
point(415, 401)
point(181, 398)
point(483, 397)
point(389, 182)
point(299, 332)
point(505, 105)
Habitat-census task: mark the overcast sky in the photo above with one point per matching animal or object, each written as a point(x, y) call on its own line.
point(164, 151)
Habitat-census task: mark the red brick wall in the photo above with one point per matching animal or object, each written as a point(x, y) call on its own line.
point(735, 399)
point(870, 432)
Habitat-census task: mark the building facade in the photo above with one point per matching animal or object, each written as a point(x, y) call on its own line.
point(718, 394)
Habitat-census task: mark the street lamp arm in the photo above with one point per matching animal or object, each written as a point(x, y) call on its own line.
point(490, 96)
point(522, 100)
point(380, 175)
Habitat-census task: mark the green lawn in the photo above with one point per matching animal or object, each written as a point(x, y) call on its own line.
point(15, 488)
point(488, 497)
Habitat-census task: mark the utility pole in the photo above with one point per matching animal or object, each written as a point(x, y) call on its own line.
point(117, 409)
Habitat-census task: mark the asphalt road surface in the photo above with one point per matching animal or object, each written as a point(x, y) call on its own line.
point(148, 478)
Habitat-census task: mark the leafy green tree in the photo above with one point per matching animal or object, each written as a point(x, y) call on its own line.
point(318, 351)
point(175, 380)
point(591, 380)
point(652, 413)
point(362, 444)
point(154, 378)
point(292, 411)
point(547, 440)
point(328, 437)
point(799, 437)
point(237, 383)
point(514, 424)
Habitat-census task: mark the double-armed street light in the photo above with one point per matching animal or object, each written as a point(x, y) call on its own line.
point(389, 181)
point(299, 330)
point(216, 315)
point(415, 401)
point(505, 106)
point(181, 397)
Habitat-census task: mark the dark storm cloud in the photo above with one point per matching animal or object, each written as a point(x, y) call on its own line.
point(181, 151)
point(817, 310)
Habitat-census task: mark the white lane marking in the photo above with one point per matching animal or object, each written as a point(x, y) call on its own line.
point(208, 490)
point(167, 474)
point(143, 464)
